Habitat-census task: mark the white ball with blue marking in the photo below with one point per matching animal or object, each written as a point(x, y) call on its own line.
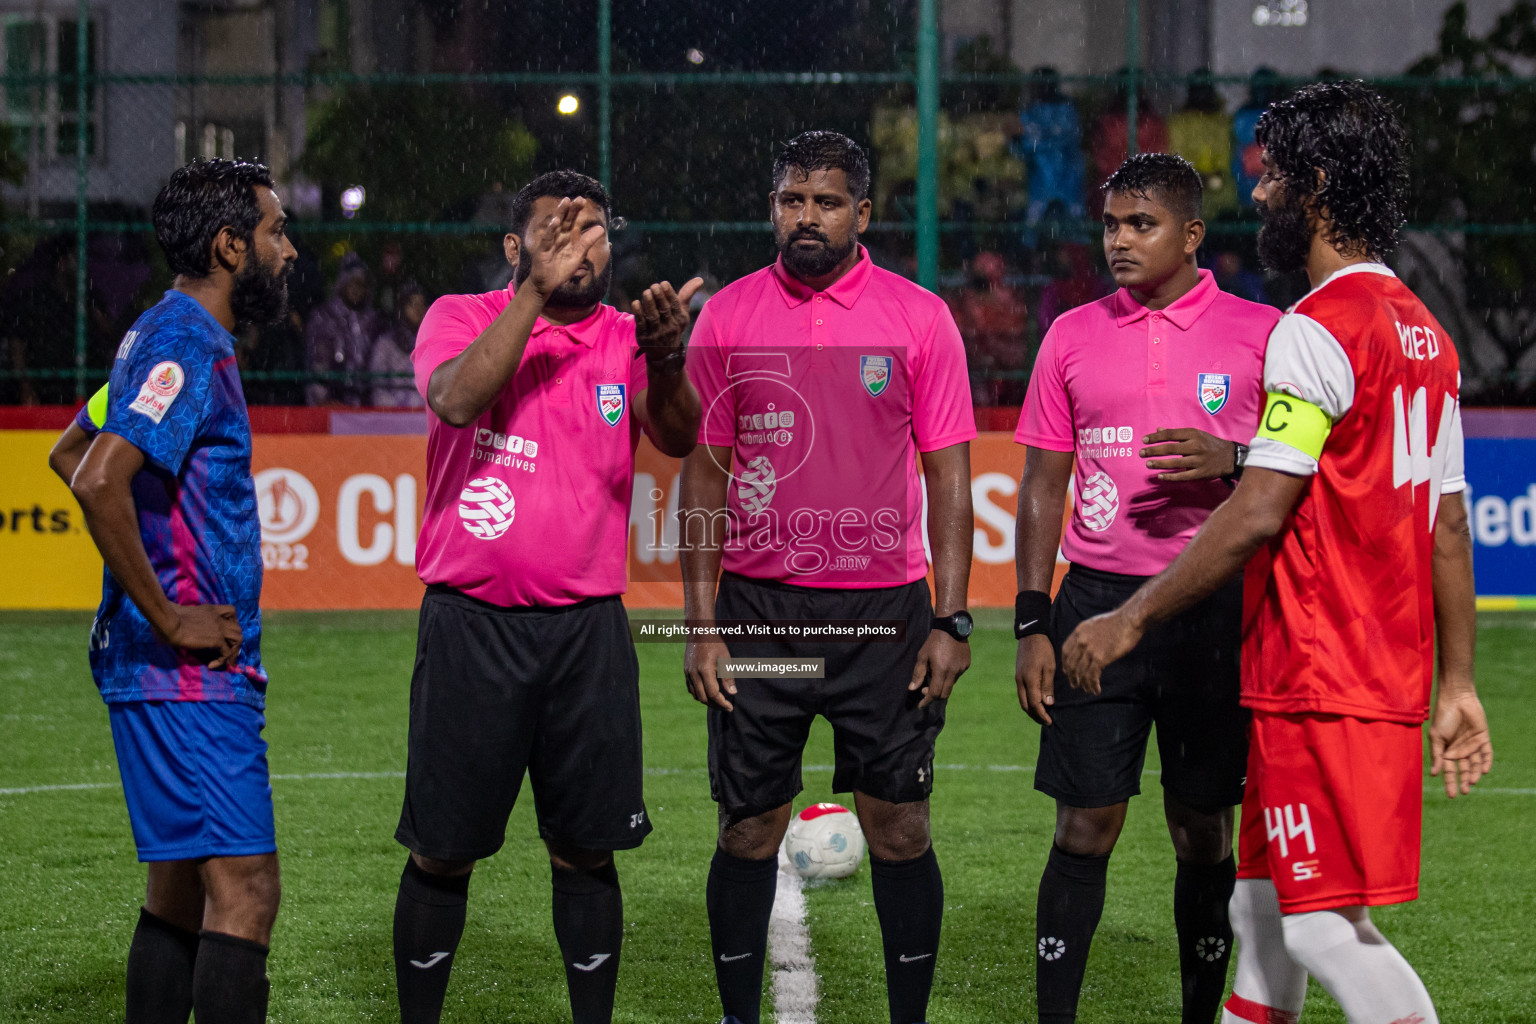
point(824, 841)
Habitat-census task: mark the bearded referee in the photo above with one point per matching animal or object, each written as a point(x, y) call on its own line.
point(826, 379)
point(524, 663)
point(1352, 523)
point(166, 489)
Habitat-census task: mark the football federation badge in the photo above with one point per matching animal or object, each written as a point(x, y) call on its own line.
point(1214, 389)
point(875, 373)
point(610, 403)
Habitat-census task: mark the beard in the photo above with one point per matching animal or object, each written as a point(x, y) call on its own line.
point(260, 294)
point(1286, 236)
point(571, 294)
point(818, 262)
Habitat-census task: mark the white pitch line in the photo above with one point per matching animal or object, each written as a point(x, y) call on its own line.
point(303, 776)
point(795, 989)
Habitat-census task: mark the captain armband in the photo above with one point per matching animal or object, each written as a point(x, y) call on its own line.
point(1295, 422)
point(96, 408)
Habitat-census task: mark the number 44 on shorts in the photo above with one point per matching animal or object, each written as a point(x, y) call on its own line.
point(1287, 823)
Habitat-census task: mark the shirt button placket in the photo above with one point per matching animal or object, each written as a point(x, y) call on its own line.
point(1157, 376)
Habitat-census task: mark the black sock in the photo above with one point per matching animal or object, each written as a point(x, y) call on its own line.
point(909, 899)
point(429, 921)
point(740, 901)
point(1200, 896)
point(229, 985)
point(160, 965)
point(1070, 903)
point(589, 925)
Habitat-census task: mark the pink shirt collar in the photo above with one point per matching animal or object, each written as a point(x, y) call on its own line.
point(586, 331)
point(1182, 313)
point(845, 291)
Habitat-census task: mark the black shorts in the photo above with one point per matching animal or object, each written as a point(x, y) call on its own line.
point(883, 742)
point(1184, 675)
point(498, 691)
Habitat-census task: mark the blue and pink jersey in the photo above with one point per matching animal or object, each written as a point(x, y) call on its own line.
point(175, 395)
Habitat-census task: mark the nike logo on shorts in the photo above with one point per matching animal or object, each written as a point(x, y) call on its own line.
point(431, 961)
point(913, 959)
point(727, 959)
point(594, 963)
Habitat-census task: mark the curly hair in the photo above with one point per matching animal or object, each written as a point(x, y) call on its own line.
point(1352, 135)
point(1172, 177)
point(561, 185)
point(825, 151)
point(202, 199)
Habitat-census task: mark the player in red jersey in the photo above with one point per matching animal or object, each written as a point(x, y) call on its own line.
point(1352, 524)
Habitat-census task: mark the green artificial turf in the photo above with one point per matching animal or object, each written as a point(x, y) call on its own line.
point(70, 886)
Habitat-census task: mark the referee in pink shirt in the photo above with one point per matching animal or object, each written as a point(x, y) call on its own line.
point(825, 379)
point(538, 395)
point(1152, 392)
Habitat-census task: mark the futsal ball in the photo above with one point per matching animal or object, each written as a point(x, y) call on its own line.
point(824, 841)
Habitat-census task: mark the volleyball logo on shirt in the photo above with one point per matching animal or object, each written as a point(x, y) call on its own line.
point(487, 507)
point(1214, 388)
point(610, 403)
point(756, 484)
point(875, 373)
point(1099, 502)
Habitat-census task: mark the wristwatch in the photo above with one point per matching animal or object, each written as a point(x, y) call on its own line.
point(1239, 457)
point(959, 625)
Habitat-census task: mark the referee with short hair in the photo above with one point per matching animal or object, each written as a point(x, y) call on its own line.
point(524, 662)
point(1168, 348)
point(825, 379)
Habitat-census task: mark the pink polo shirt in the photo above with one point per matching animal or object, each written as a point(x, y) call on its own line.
point(827, 398)
point(1113, 371)
point(530, 504)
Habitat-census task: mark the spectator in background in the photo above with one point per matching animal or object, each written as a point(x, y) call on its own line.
point(1050, 143)
point(37, 325)
point(1247, 157)
point(1111, 144)
point(1233, 275)
point(340, 335)
point(1202, 134)
point(993, 320)
point(392, 277)
point(1075, 282)
point(392, 351)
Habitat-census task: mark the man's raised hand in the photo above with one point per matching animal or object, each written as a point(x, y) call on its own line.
point(558, 248)
point(661, 317)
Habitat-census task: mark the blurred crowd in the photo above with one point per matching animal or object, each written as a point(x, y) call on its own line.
point(1018, 180)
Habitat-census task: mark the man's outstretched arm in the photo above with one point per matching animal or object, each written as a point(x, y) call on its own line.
point(1256, 512)
point(1458, 733)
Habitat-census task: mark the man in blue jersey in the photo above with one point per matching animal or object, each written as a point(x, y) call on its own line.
point(175, 650)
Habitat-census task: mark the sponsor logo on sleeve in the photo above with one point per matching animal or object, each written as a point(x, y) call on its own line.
point(610, 403)
point(159, 390)
point(875, 374)
point(1214, 389)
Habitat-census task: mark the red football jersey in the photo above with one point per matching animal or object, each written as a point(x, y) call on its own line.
point(1339, 614)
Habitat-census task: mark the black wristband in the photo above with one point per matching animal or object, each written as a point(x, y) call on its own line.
point(1031, 613)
